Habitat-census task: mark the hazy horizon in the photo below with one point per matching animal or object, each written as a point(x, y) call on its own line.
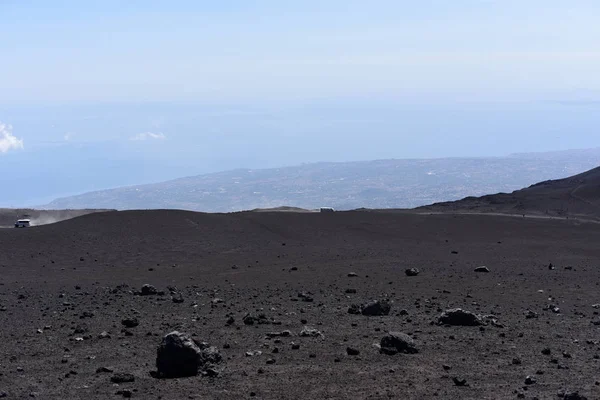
point(94, 96)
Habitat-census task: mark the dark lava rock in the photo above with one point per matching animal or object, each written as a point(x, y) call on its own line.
point(261, 319)
point(482, 269)
point(459, 317)
point(376, 308)
point(354, 309)
point(412, 272)
point(122, 378)
point(306, 297)
point(130, 322)
point(310, 332)
point(177, 298)
point(530, 380)
point(530, 314)
point(546, 351)
point(352, 351)
point(285, 333)
point(148, 290)
point(460, 382)
point(397, 342)
point(566, 395)
point(180, 356)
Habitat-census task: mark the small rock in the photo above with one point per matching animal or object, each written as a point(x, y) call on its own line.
point(352, 274)
point(148, 290)
point(352, 351)
point(530, 314)
point(459, 317)
point(546, 351)
point(567, 395)
point(412, 272)
point(122, 378)
point(376, 308)
point(482, 269)
point(459, 381)
point(310, 332)
point(130, 322)
point(397, 342)
point(530, 380)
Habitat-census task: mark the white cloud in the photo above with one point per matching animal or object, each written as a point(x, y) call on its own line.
point(7, 140)
point(149, 136)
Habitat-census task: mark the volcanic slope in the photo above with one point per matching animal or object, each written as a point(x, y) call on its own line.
point(69, 302)
point(576, 196)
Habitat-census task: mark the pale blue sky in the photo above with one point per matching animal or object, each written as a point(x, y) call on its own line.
point(95, 94)
point(239, 50)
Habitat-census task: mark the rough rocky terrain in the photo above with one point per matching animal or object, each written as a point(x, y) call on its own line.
point(265, 298)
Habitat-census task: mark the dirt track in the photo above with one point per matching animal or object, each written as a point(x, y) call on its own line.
point(66, 276)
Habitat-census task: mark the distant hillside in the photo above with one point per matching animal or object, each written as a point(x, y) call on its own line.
point(349, 185)
point(577, 196)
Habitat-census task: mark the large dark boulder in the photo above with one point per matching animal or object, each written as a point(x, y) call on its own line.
point(180, 356)
point(459, 317)
point(148, 290)
point(397, 342)
point(376, 308)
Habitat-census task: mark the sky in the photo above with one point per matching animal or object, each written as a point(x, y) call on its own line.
point(101, 94)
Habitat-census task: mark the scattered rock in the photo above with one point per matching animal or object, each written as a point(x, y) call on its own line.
point(530, 380)
point(482, 269)
point(350, 291)
point(306, 297)
point(412, 272)
point(376, 308)
point(285, 333)
point(130, 322)
point(459, 317)
point(530, 314)
point(177, 298)
point(460, 381)
point(148, 290)
point(261, 319)
point(352, 274)
point(310, 332)
point(567, 395)
point(104, 370)
point(122, 378)
point(354, 309)
point(352, 351)
point(180, 356)
point(397, 342)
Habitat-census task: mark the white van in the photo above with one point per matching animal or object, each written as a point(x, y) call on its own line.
point(23, 223)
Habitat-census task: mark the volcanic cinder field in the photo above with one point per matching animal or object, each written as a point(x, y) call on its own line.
point(70, 291)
